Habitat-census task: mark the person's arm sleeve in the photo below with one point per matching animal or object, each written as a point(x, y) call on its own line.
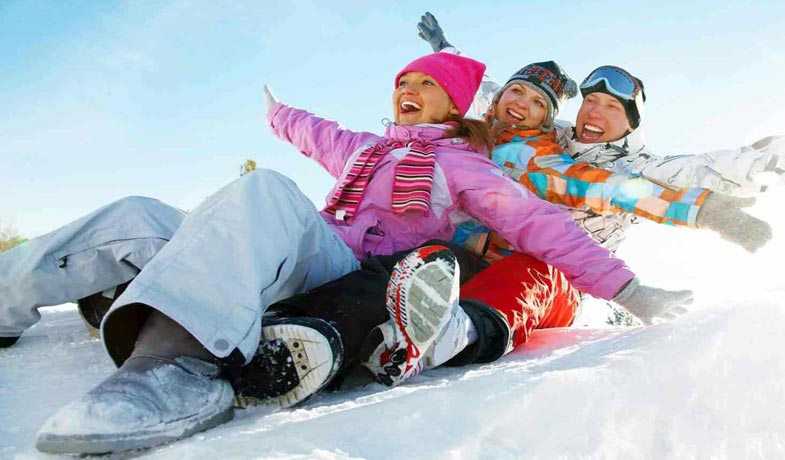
point(543, 230)
point(731, 171)
point(324, 141)
point(561, 180)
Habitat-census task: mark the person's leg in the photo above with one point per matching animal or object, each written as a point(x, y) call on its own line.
point(254, 242)
point(90, 255)
point(353, 305)
point(528, 294)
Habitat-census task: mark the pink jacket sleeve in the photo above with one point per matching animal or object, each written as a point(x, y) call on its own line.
point(325, 141)
point(541, 229)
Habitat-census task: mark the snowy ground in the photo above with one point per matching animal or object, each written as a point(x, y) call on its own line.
point(708, 385)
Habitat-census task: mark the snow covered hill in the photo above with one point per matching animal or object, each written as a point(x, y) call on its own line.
point(709, 385)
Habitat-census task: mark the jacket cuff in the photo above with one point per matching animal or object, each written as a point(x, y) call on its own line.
point(272, 112)
point(626, 291)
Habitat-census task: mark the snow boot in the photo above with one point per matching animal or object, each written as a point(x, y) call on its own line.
point(296, 358)
point(353, 304)
point(6, 342)
point(170, 388)
point(421, 296)
point(93, 308)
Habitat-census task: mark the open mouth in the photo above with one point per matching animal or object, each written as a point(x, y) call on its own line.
point(515, 115)
point(591, 133)
point(410, 107)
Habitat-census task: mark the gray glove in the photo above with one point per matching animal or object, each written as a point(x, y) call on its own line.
point(431, 32)
point(648, 303)
point(723, 214)
point(269, 98)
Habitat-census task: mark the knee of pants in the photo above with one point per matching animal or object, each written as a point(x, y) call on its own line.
point(145, 206)
point(266, 178)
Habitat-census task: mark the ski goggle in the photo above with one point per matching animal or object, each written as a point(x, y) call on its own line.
point(616, 81)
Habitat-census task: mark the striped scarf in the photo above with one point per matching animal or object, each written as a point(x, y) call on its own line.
point(411, 187)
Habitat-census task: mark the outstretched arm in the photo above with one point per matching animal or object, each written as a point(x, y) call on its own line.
point(324, 141)
point(561, 180)
point(548, 233)
point(539, 228)
point(740, 171)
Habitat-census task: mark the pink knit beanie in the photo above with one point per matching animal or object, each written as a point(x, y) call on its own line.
point(459, 76)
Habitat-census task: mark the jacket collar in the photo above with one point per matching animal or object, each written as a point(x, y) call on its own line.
point(632, 144)
point(433, 133)
point(517, 135)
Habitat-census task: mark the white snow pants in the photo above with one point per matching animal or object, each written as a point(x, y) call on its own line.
point(254, 242)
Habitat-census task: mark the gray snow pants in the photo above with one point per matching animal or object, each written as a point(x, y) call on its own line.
point(214, 271)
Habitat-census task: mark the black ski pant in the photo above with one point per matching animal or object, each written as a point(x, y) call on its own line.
point(355, 303)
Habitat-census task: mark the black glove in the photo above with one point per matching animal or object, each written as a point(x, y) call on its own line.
point(431, 32)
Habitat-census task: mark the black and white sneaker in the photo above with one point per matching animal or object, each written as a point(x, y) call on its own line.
point(296, 358)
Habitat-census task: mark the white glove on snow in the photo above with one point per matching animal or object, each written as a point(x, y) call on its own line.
point(269, 98)
point(648, 303)
point(723, 214)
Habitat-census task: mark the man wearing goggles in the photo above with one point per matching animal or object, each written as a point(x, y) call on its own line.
point(612, 106)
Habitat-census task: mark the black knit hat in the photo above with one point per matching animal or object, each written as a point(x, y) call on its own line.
point(550, 80)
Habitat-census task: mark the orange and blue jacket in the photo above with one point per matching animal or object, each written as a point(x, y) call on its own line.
point(536, 161)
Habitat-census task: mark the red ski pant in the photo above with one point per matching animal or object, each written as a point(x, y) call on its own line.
point(527, 292)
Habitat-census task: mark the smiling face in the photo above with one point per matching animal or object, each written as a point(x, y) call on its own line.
point(522, 106)
point(600, 119)
point(419, 99)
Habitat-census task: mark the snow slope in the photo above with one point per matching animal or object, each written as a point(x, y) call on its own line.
point(708, 385)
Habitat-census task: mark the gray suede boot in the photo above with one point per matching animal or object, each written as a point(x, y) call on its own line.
point(170, 388)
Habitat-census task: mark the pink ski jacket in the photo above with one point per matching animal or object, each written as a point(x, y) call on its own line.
point(466, 184)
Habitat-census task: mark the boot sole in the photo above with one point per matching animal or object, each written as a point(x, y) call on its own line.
point(315, 357)
point(420, 294)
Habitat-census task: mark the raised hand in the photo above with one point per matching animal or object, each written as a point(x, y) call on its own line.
point(269, 98)
point(431, 32)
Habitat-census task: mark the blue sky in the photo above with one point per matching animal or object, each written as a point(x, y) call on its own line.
point(101, 100)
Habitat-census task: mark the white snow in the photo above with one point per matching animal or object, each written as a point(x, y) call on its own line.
point(709, 385)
